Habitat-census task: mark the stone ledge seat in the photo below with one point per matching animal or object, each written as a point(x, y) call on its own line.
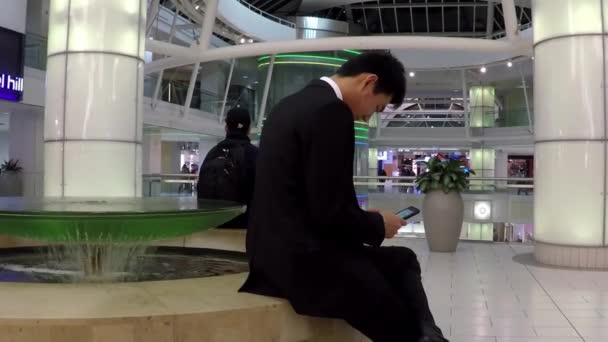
point(191, 310)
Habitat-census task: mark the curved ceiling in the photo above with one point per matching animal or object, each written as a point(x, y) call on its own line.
point(315, 5)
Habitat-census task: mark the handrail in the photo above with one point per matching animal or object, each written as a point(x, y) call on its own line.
point(499, 179)
point(496, 179)
point(267, 15)
point(398, 181)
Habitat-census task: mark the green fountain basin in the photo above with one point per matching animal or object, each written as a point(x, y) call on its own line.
point(110, 220)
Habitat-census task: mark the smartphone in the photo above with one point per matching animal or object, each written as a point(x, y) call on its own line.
point(408, 212)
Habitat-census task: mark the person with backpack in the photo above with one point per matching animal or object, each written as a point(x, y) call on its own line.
point(228, 171)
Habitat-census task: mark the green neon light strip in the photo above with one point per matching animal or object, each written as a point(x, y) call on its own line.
point(306, 63)
point(353, 51)
point(361, 129)
point(361, 137)
point(362, 123)
point(333, 59)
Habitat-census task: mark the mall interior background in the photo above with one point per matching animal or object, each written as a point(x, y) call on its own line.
point(483, 113)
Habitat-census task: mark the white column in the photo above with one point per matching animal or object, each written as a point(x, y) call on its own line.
point(570, 108)
point(483, 161)
point(481, 109)
point(510, 16)
point(152, 154)
point(93, 120)
point(501, 168)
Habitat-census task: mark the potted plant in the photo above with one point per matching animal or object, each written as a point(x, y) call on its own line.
point(443, 208)
point(11, 183)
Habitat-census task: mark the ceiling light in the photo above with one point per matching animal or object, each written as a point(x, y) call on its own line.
point(242, 40)
point(509, 64)
point(250, 40)
point(532, 57)
point(412, 74)
point(197, 7)
point(483, 70)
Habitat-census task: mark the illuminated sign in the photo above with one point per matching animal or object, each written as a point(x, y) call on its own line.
point(11, 65)
point(482, 210)
point(11, 83)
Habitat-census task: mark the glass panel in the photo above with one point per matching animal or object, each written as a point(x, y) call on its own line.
point(35, 51)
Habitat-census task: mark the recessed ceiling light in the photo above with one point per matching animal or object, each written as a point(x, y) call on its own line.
point(483, 70)
point(197, 7)
point(412, 74)
point(510, 64)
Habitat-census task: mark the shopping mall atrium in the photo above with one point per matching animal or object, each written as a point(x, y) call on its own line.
point(108, 109)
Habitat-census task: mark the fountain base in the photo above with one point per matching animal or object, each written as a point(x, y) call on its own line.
point(98, 263)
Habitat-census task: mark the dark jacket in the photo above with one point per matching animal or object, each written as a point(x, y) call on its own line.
point(303, 215)
point(251, 153)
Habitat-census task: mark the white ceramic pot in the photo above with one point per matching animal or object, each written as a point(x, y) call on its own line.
point(443, 214)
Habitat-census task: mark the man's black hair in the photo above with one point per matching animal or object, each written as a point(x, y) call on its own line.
point(390, 72)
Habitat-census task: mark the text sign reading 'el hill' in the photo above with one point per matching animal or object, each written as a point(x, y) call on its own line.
point(11, 65)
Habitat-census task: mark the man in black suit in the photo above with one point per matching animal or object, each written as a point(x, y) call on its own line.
point(308, 240)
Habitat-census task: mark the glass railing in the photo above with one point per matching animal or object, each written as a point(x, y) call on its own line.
point(368, 184)
point(267, 15)
point(474, 185)
point(433, 119)
point(510, 200)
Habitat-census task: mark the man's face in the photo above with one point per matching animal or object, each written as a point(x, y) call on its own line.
point(368, 102)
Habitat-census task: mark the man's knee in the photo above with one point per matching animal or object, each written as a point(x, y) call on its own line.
point(406, 258)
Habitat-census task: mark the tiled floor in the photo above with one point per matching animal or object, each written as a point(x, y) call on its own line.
point(479, 294)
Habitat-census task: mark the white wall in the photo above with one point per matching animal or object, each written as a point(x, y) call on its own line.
point(12, 14)
point(26, 143)
point(205, 145)
point(252, 24)
point(3, 146)
point(152, 153)
point(34, 87)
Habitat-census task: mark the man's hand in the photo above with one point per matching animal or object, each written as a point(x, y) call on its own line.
point(392, 223)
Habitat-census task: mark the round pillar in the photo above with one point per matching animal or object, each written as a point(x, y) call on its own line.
point(93, 114)
point(483, 161)
point(482, 106)
point(570, 134)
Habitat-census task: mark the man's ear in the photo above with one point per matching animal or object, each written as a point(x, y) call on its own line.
point(370, 80)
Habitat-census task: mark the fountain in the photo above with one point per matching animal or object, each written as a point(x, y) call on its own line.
point(94, 240)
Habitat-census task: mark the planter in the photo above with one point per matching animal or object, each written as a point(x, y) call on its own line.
point(11, 184)
point(443, 214)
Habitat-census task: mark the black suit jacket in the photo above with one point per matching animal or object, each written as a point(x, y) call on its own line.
point(305, 209)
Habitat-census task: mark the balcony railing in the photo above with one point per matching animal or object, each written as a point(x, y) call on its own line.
point(267, 15)
point(173, 184)
point(510, 200)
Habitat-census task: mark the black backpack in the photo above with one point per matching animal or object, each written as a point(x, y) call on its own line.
point(222, 175)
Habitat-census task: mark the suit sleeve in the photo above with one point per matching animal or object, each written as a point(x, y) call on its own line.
point(331, 197)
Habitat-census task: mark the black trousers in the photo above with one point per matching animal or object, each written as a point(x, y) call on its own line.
point(394, 306)
point(377, 290)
